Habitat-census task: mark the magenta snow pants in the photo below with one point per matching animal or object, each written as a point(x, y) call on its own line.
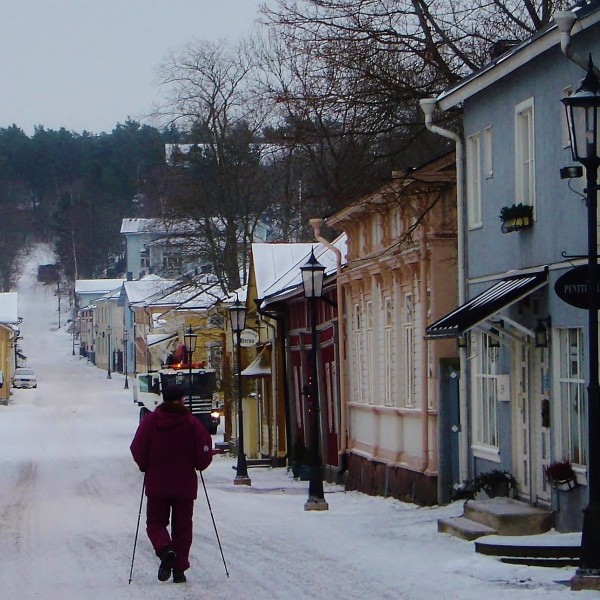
point(180, 512)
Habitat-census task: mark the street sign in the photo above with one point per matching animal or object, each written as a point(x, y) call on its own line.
point(248, 338)
point(572, 287)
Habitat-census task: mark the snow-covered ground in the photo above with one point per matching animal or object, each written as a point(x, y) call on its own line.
point(70, 495)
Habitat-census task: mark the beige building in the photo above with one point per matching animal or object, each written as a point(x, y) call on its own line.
point(400, 276)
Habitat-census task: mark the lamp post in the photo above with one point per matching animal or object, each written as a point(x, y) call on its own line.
point(237, 314)
point(95, 349)
point(190, 344)
point(108, 375)
point(583, 108)
point(313, 273)
point(125, 350)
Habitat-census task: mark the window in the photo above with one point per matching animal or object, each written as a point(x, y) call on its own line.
point(486, 390)
point(524, 153)
point(145, 259)
point(376, 231)
point(360, 375)
point(572, 395)
point(367, 360)
point(171, 261)
point(488, 156)
point(474, 180)
point(389, 369)
point(408, 343)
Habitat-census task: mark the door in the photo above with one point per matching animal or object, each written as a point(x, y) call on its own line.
point(449, 429)
point(541, 424)
point(521, 418)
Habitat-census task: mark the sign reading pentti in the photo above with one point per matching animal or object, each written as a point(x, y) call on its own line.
point(572, 287)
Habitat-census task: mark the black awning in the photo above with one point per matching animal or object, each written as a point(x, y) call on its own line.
point(478, 309)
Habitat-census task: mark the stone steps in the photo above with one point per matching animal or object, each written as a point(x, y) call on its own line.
point(557, 555)
point(501, 516)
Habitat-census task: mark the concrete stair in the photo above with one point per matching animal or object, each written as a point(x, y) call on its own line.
point(500, 516)
point(532, 553)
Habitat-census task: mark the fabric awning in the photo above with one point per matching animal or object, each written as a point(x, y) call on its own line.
point(157, 338)
point(502, 294)
point(260, 366)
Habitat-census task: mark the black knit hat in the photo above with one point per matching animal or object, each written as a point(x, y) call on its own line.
point(173, 393)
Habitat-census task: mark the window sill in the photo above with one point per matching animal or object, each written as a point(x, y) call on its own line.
point(486, 453)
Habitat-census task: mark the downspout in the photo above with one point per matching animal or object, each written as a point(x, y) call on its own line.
point(428, 106)
point(272, 399)
point(281, 336)
point(565, 21)
point(423, 268)
point(343, 442)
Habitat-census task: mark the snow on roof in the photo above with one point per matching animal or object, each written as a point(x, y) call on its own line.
point(191, 297)
point(142, 289)
point(8, 307)
point(159, 226)
point(97, 286)
point(240, 294)
point(545, 39)
point(272, 261)
point(290, 280)
point(112, 295)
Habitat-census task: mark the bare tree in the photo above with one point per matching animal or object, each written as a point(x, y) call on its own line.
point(346, 76)
point(219, 184)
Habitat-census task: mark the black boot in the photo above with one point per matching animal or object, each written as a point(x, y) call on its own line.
point(178, 576)
point(166, 563)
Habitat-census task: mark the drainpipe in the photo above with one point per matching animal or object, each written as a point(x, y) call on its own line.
point(423, 268)
point(274, 390)
point(565, 21)
point(428, 106)
point(343, 445)
point(281, 336)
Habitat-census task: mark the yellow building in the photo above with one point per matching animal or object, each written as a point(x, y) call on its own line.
point(9, 336)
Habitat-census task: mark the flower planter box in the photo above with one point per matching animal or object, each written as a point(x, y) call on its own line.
point(516, 217)
point(565, 485)
point(516, 224)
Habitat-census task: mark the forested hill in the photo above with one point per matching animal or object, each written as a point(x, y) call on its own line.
point(73, 190)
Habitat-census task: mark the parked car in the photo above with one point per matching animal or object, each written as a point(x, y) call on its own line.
point(24, 377)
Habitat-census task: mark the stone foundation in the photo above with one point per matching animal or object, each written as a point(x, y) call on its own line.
point(378, 479)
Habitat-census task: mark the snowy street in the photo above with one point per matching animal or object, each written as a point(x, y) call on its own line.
point(70, 494)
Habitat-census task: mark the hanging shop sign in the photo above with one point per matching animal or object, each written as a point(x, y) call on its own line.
point(572, 287)
point(248, 338)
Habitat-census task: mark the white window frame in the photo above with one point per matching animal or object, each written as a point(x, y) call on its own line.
point(486, 365)
point(525, 153)
point(367, 359)
point(488, 152)
point(571, 392)
point(389, 370)
point(474, 181)
point(408, 349)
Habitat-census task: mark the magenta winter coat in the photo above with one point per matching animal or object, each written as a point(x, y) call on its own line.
point(169, 445)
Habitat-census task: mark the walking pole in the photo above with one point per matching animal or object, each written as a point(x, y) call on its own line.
point(137, 528)
point(214, 524)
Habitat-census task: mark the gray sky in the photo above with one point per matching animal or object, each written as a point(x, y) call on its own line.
point(90, 64)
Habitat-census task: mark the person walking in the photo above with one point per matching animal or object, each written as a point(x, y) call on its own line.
point(169, 445)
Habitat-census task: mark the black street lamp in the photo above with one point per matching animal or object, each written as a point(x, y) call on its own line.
point(125, 350)
point(583, 109)
point(313, 273)
point(190, 345)
point(237, 314)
